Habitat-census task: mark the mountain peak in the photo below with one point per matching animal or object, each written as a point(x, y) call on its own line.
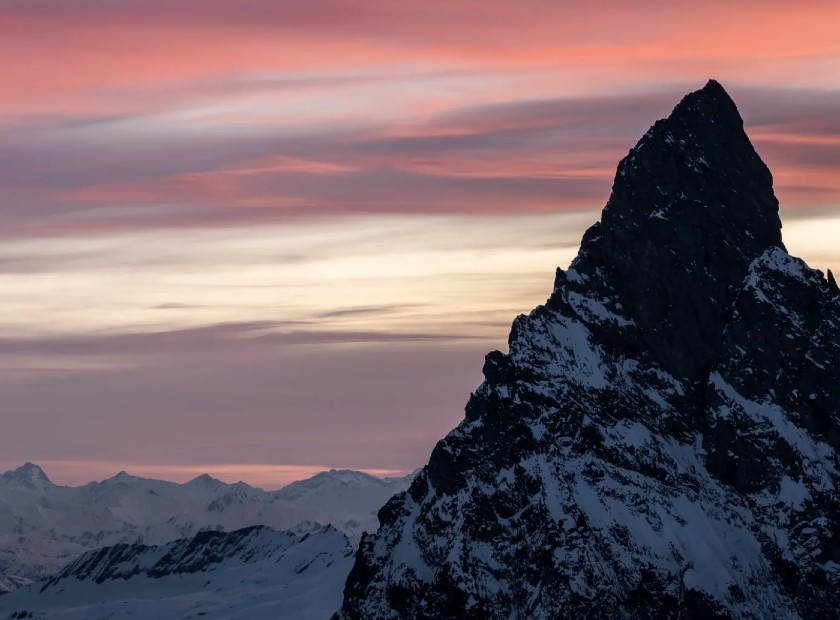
point(712, 102)
point(28, 474)
point(661, 439)
point(698, 158)
point(205, 480)
point(122, 477)
point(692, 205)
point(712, 85)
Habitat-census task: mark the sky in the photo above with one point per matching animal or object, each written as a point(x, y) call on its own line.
point(264, 238)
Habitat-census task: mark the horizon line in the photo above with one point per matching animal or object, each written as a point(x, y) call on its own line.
point(267, 477)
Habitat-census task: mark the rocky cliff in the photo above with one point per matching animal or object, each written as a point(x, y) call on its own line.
point(661, 439)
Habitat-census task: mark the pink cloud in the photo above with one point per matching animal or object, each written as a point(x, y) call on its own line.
point(527, 155)
point(186, 41)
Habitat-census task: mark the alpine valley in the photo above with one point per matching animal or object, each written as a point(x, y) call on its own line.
point(661, 440)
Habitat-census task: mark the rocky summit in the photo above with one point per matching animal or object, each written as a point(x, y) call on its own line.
point(662, 438)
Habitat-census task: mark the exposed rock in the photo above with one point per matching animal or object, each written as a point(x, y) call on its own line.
point(661, 439)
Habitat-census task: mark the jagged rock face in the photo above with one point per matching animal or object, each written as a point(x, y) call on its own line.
point(692, 205)
point(661, 439)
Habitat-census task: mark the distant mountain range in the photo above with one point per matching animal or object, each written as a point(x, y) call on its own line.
point(44, 526)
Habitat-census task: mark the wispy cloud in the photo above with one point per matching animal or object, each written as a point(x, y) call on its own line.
point(368, 311)
point(537, 155)
point(226, 338)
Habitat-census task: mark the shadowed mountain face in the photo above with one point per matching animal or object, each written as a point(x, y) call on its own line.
point(256, 573)
point(692, 206)
point(661, 439)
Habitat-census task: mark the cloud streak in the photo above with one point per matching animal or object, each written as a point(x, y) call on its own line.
point(536, 155)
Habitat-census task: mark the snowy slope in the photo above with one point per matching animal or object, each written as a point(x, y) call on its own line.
point(44, 526)
point(346, 499)
point(254, 573)
point(662, 438)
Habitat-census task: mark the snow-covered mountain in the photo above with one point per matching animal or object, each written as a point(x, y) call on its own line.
point(254, 573)
point(44, 526)
point(662, 438)
point(346, 499)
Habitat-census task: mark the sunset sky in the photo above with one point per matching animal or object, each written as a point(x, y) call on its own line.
point(263, 238)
